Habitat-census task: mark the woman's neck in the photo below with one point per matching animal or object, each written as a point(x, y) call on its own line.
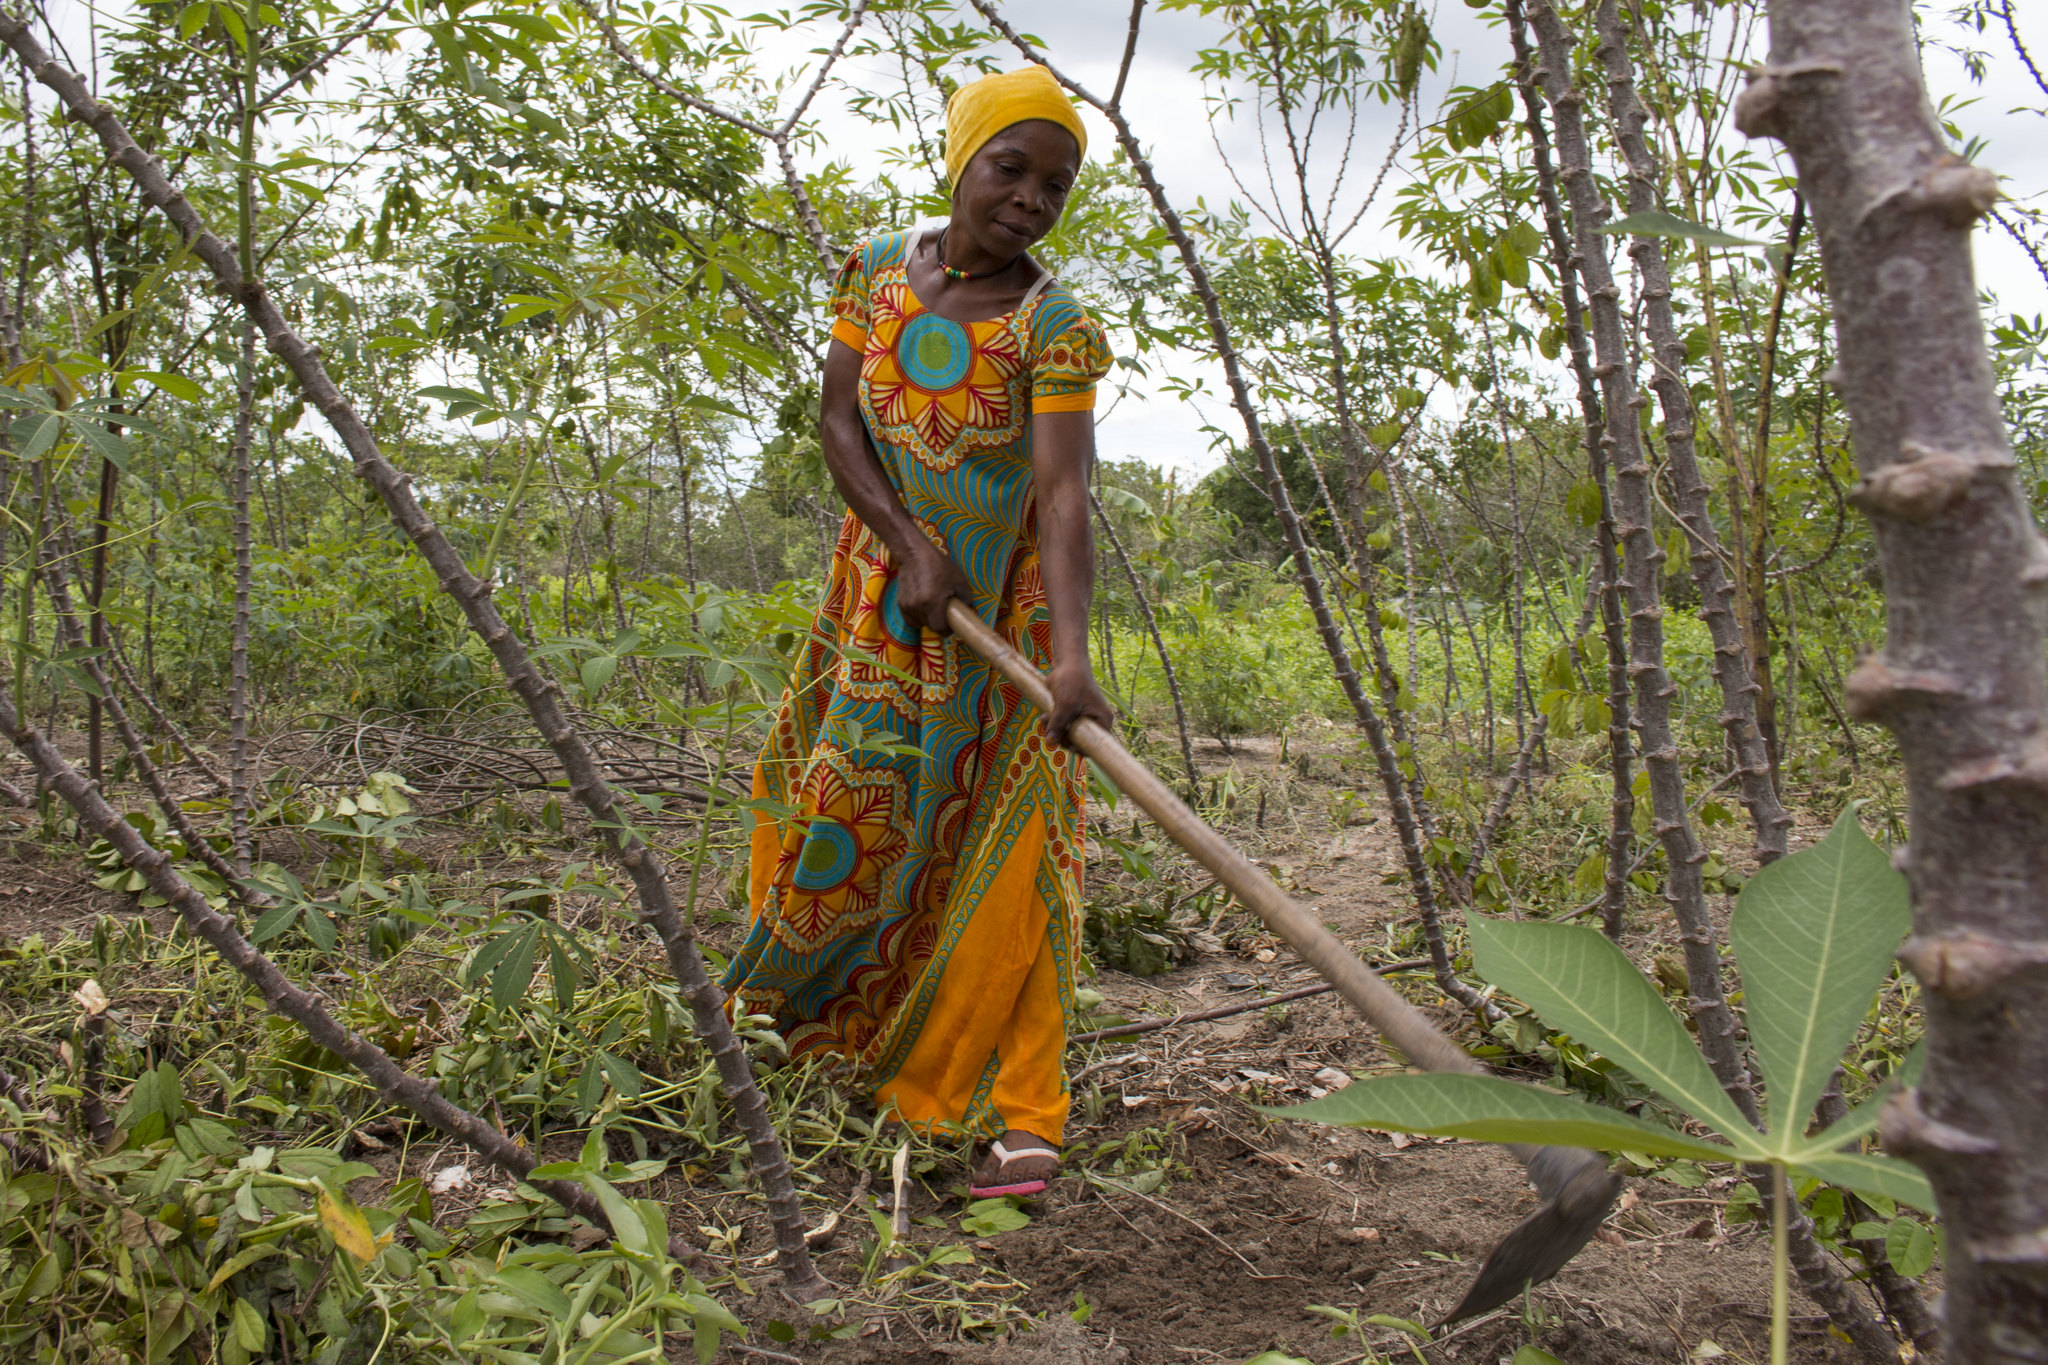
point(969, 300)
point(961, 258)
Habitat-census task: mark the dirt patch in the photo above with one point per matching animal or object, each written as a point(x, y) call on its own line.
point(1260, 1223)
point(1229, 1261)
point(1221, 1242)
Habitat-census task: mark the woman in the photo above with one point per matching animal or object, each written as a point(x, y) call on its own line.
point(919, 914)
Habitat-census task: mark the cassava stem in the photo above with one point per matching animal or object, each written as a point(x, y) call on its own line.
point(1620, 748)
point(238, 652)
point(1962, 679)
point(1180, 714)
point(1740, 688)
point(1633, 506)
point(1653, 685)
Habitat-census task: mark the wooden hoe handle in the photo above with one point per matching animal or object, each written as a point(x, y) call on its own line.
point(1576, 1184)
point(1384, 1007)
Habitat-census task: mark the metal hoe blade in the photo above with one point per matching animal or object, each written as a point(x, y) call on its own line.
point(1576, 1185)
point(1577, 1189)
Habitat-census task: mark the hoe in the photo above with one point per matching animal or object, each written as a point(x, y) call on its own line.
point(1576, 1185)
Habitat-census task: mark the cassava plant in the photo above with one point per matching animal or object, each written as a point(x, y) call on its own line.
point(642, 863)
point(1814, 935)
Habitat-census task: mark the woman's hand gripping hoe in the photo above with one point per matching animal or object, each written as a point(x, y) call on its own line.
point(1576, 1185)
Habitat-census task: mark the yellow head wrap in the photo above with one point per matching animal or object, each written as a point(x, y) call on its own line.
point(983, 108)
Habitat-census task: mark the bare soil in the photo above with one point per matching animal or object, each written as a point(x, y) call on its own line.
point(1255, 1220)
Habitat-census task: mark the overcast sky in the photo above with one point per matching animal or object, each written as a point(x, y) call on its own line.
point(1168, 109)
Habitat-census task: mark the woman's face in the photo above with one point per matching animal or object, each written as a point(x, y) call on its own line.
point(1015, 187)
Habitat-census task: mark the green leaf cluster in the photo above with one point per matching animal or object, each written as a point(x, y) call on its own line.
point(1813, 934)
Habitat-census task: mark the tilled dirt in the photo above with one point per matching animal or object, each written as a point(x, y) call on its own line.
point(1263, 1221)
point(1254, 1223)
point(1229, 1262)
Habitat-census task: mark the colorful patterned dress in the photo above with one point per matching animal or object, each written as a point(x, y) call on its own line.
point(919, 916)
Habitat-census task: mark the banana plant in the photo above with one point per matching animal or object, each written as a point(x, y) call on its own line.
point(1814, 936)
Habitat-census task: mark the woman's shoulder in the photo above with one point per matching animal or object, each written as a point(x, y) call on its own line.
point(882, 251)
point(1056, 312)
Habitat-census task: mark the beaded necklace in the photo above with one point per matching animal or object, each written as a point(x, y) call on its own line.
point(954, 273)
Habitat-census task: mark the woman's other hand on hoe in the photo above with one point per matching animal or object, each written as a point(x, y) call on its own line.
point(926, 582)
point(1075, 694)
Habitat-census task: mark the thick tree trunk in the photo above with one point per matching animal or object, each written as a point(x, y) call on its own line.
point(1961, 678)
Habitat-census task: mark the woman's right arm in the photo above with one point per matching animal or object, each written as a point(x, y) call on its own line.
point(926, 578)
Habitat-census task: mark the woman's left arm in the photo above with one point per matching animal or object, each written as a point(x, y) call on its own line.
point(1062, 457)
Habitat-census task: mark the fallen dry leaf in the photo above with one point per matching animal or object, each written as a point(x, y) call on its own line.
point(449, 1178)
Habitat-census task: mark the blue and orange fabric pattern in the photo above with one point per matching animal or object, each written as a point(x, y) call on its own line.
point(917, 916)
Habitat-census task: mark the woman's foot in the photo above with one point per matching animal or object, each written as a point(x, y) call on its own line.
point(1017, 1163)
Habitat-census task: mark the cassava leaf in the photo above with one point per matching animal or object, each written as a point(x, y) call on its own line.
point(1869, 1173)
point(597, 672)
point(989, 1217)
point(1814, 935)
point(1583, 985)
point(1126, 500)
point(624, 1076)
point(627, 1226)
point(103, 443)
point(347, 1225)
point(319, 928)
point(274, 921)
point(35, 433)
point(1909, 1246)
point(515, 973)
point(1656, 223)
point(1489, 1109)
point(176, 385)
point(252, 1333)
point(562, 973)
point(529, 1286)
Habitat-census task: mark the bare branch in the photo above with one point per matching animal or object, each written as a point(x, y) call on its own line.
point(779, 136)
point(1180, 712)
point(1123, 68)
point(832, 56)
point(2012, 31)
point(340, 45)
